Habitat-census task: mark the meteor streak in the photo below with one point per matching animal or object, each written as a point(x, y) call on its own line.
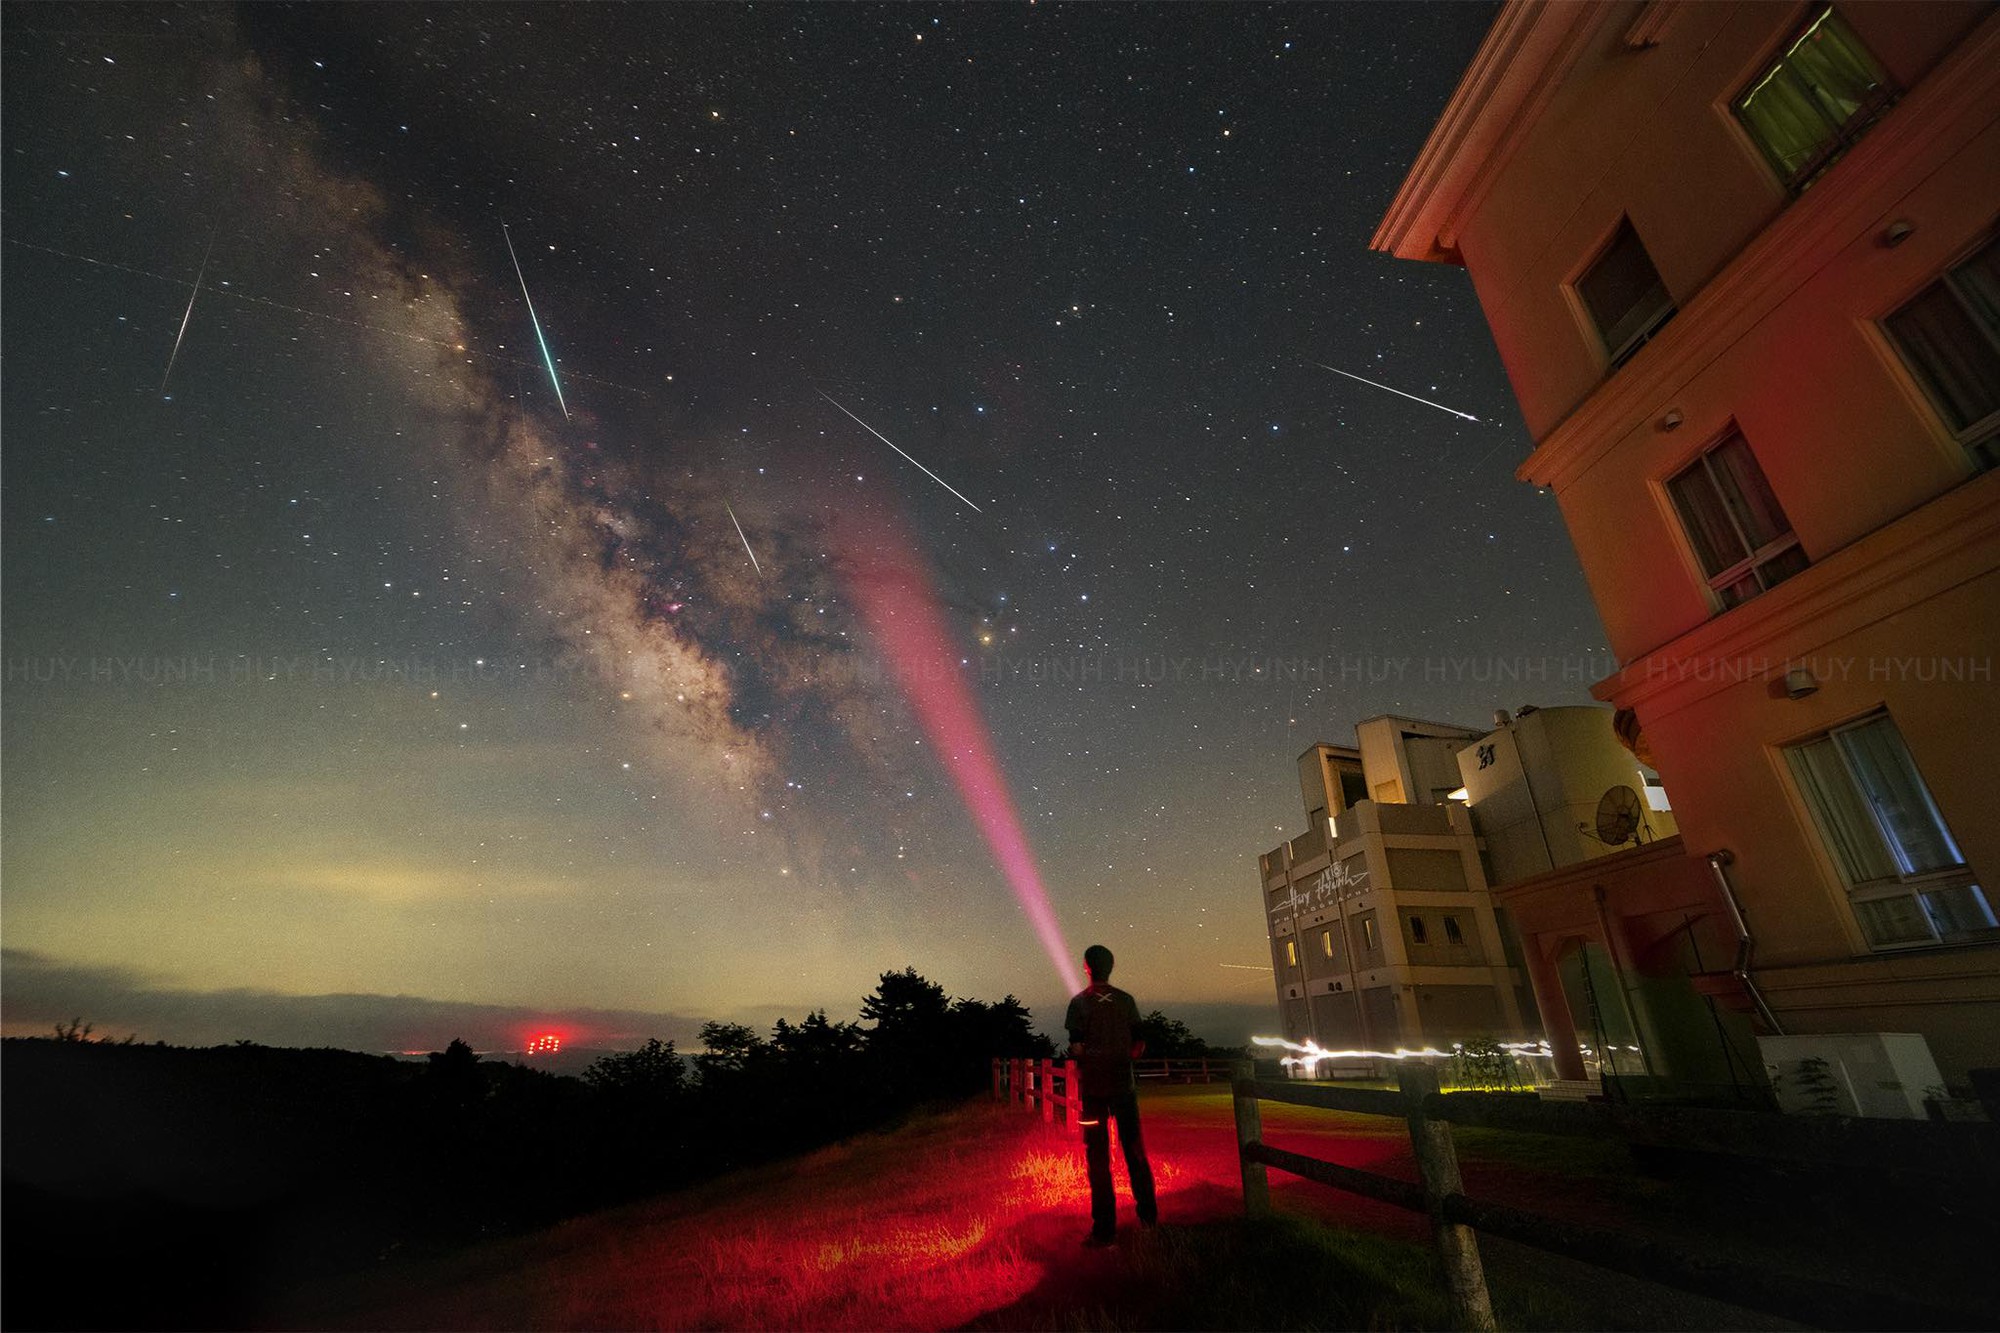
point(546, 358)
point(458, 344)
point(1399, 393)
point(188, 314)
point(746, 541)
point(892, 444)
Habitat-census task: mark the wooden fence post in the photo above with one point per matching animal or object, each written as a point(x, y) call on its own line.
point(1249, 1130)
point(996, 1078)
point(1020, 1081)
point(1046, 1085)
point(1437, 1170)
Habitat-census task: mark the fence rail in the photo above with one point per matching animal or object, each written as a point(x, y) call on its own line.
point(1052, 1084)
point(1196, 1069)
point(1455, 1217)
point(1951, 1151)
point(1049, 1084)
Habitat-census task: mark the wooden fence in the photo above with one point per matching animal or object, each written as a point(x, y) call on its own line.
point(1050, 1084)
point(1439, 1192)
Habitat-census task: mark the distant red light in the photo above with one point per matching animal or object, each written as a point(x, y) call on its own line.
point(548, 1043)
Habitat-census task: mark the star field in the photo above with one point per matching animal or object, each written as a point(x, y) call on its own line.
point(347, 662)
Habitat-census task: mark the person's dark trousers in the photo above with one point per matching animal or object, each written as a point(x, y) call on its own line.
point(1098, 1113)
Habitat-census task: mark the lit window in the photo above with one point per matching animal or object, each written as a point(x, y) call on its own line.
point(1326, 942)
point(1624, 295)
point(1950, 336)
point(1739, 532)
point(1291, 953)
point(1810, 107)
point(1906, 880)
point(1453, 934)
point(1368, 933)
point(1417, 932)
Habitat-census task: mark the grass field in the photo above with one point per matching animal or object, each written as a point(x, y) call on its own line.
point(973, 1218)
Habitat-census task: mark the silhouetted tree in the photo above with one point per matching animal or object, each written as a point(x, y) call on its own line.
point(453, 1075)
point(816, 1046)
point(1009, 1030)
point(909, 1046)
point(1169, 1038)
point(653, 1073)
point(905, 1008)
point(728, 1051)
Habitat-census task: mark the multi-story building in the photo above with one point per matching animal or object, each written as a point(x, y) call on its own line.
point(1740, 265)
point(1382, 932)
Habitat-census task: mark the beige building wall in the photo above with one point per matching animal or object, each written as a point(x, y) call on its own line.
point(1330, 780)
point(1647, 132)
point(1576, 116)
point(1534, 786)
point(1409, 761)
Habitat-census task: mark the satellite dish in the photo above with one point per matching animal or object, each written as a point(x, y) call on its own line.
point(1618, 814)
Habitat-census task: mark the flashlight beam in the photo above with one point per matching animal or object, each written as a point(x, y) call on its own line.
point(892, 444)
point(900, 607)
point(1400, 394)
point(547, 360)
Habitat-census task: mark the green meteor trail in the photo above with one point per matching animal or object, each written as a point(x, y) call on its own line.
point(546, 358)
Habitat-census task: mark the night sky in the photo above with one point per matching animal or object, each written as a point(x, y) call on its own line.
point(361, 691)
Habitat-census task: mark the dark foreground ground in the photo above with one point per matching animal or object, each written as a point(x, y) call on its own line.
point(968, 1217)
point(972, 1219)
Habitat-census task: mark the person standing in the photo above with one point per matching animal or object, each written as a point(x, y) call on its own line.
point(1103, 1026)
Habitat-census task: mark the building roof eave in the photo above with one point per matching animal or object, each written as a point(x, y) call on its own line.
point(1511, 77)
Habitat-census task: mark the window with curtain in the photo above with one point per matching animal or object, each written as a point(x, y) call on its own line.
point(1950, 338)
point(1820, 96)
point(1624, 295)
point(1738, 530)
point(1907, 882)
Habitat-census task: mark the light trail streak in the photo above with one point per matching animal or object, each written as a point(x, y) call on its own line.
point(188, 314)
point(1310, 1052)
point(903, 616)
point(892, 444)
point(746, 541)
point(1245, 967)
point(536, 321)
point(1399, 393)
